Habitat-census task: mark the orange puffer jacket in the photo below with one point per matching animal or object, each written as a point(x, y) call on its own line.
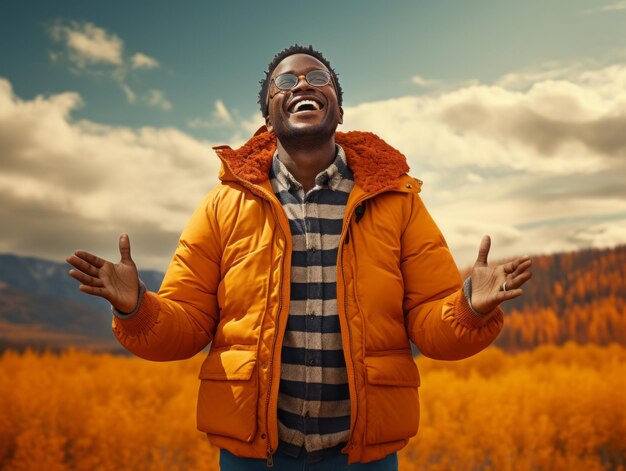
point(229, 280)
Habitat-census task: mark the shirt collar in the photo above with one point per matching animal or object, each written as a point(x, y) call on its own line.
point(329, 178)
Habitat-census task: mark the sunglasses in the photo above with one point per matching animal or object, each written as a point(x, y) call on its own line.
point(315, 78)
point(287, 81)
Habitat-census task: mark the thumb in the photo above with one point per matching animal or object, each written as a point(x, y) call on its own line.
point(125, 248)
point(483, 251)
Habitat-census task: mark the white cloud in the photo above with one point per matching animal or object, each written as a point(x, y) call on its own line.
point(252, 124)
point(88, 44)
point(131, 96)
point(221, 112)
point(422, 82)
point(541, 170)
point(557, 126)
point(602, 235)
point(526, 78)
point(534, 167)
point(156, 99)
point(474, 177)
point(142, 61)
point(92, 51)
point(616, 6)
point(69, 184)
point(199, 123)
point(464, 238)
point(232, 121)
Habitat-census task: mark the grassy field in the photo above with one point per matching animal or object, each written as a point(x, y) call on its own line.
point(553, 408)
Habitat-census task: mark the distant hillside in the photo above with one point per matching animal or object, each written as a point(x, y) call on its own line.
point(41, 306)
point(578, 296)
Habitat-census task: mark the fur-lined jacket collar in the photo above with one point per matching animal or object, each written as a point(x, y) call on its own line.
point(375, 164)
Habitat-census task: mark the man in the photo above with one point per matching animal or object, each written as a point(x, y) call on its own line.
point(309, 269)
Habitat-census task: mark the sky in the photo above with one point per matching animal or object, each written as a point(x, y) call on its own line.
point(513, 114)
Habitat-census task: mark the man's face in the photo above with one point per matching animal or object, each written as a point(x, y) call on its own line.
point(286, 118)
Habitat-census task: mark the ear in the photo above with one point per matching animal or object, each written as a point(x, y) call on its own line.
point(340, 115)
point(268, 123)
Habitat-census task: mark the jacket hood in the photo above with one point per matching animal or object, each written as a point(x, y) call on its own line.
point(374, 163)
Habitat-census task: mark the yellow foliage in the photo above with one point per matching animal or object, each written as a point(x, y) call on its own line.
point(554, 408)
point(83, 411)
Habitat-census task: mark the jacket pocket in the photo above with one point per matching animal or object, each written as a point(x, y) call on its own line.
point(392, 398)
point(228, 395)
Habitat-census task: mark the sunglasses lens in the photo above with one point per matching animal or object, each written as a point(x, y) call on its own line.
point(318, 78)
point(286, 81)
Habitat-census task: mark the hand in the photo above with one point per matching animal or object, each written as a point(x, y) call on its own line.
point(488, 282)
point(117, 283)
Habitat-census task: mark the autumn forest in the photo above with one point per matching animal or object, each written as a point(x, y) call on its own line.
point(550, 395)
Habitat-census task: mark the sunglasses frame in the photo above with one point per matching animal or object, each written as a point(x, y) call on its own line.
point(298, 77)
point(331, 80)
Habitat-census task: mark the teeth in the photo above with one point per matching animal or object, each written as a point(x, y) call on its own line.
point(303, 103)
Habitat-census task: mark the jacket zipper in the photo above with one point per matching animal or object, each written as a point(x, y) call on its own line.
point(270, 452)
point(345, 312)
point(268, 197)
point(359, 210)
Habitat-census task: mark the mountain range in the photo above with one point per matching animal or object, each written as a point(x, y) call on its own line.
point(579, 296)
point(41, 307)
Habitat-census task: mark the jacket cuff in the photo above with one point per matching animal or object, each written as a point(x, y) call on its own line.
point(467, 292)
point(127, 315)
point(140, 321)
point(465, 313)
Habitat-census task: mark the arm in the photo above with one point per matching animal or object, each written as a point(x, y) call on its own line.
point(181, 319)
point(438, 317)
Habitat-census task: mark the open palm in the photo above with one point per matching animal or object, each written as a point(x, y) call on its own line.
point(116, 282)
point(494, 285)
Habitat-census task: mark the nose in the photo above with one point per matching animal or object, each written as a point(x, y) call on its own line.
point(302, 84)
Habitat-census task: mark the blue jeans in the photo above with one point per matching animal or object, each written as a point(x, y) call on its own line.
point(283, 462)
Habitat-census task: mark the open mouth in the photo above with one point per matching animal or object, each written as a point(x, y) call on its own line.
point(306, 105)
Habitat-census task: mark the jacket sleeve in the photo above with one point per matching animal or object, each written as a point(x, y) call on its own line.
point(180, 320)
point(438, 318)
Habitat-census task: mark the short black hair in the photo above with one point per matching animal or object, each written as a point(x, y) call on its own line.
point(290, 51)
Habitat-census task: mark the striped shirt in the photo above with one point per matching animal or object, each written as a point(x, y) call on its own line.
point(313, 400)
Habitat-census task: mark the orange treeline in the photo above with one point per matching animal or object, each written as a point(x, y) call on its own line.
point(578, 296)
point(553, 408)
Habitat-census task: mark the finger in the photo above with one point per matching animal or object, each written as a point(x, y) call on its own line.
point(519, 280)
point(82, 265)
point(96, 291)
point(125, 248)
point(86, 279)
point(523, 267)
point(483, 251)
point(90, 258)
point(509, 294)
point(518, 266)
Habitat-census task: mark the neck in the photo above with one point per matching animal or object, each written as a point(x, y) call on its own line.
point(304, 163)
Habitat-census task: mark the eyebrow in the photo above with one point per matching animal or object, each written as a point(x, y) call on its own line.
point(291, 71)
